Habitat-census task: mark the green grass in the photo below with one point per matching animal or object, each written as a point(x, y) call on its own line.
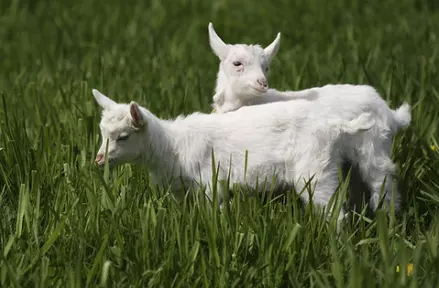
point(64, 223)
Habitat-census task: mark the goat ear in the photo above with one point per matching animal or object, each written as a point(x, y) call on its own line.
point(218, 46)
point(103, 100)
point(271, 50)
point(136, 115)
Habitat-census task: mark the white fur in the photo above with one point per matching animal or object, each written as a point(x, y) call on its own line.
point(234, 90)
point(293, 140)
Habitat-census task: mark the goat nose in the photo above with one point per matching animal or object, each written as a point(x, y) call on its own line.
point(263, 82)
point(99, 158)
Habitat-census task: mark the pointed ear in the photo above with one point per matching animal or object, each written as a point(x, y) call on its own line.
point(218, 46)
point(271, 50)
point(136, 115)
point(103, 100)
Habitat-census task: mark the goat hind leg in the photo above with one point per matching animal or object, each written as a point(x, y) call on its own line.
point(323, 186)
point(378, 170)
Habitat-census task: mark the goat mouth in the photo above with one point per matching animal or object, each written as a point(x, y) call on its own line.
point(258, 89)
point(102, 162)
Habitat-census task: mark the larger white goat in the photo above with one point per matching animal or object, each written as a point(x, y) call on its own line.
point(286, 139)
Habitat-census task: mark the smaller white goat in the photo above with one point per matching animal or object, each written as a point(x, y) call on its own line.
point(287, 140)
point(242, 79)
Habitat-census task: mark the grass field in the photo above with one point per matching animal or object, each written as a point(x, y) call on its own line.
point(65, 223)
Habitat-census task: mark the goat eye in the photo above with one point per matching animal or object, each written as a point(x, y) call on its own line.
point(122, 137)
point(266, 69)
point(237, 63)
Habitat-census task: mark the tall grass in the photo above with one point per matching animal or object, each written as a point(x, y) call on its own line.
point(65, 223)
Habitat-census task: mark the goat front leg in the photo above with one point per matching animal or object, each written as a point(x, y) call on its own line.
point(273, 95)
point(308, 94)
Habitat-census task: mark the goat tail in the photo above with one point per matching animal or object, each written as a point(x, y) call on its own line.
point(402, 116)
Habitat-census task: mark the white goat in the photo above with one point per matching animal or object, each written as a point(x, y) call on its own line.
point(290, 140)
point(242, 81)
